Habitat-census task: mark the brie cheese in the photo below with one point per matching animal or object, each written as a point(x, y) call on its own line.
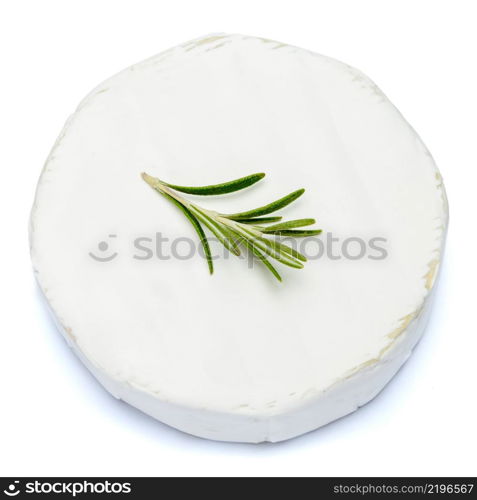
point(237, 356)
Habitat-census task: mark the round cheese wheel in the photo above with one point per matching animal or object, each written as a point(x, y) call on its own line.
point(239, 356)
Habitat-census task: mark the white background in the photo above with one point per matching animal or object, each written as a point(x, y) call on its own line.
point(55, 419)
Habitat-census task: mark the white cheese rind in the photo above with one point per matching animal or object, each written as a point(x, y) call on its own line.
point(297, 355)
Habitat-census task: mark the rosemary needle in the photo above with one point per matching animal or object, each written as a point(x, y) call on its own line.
point(224, 188)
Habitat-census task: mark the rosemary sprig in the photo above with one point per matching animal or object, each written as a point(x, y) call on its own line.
point(243, 228)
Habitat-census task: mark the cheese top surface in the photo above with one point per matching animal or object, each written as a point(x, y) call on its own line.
point(208, 111)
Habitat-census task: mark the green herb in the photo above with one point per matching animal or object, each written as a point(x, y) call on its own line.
point(295, 234)
point(243, 228)
point(195, 223)
point(291, 224)
point(224, 188)
point(268, 209)
point(260, 220)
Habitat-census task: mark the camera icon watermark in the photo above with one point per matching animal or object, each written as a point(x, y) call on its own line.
point(104, 251)
point(13, 489)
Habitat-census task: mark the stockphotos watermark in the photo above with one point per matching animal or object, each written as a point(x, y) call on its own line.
point(69, 488)
point(159, 247)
